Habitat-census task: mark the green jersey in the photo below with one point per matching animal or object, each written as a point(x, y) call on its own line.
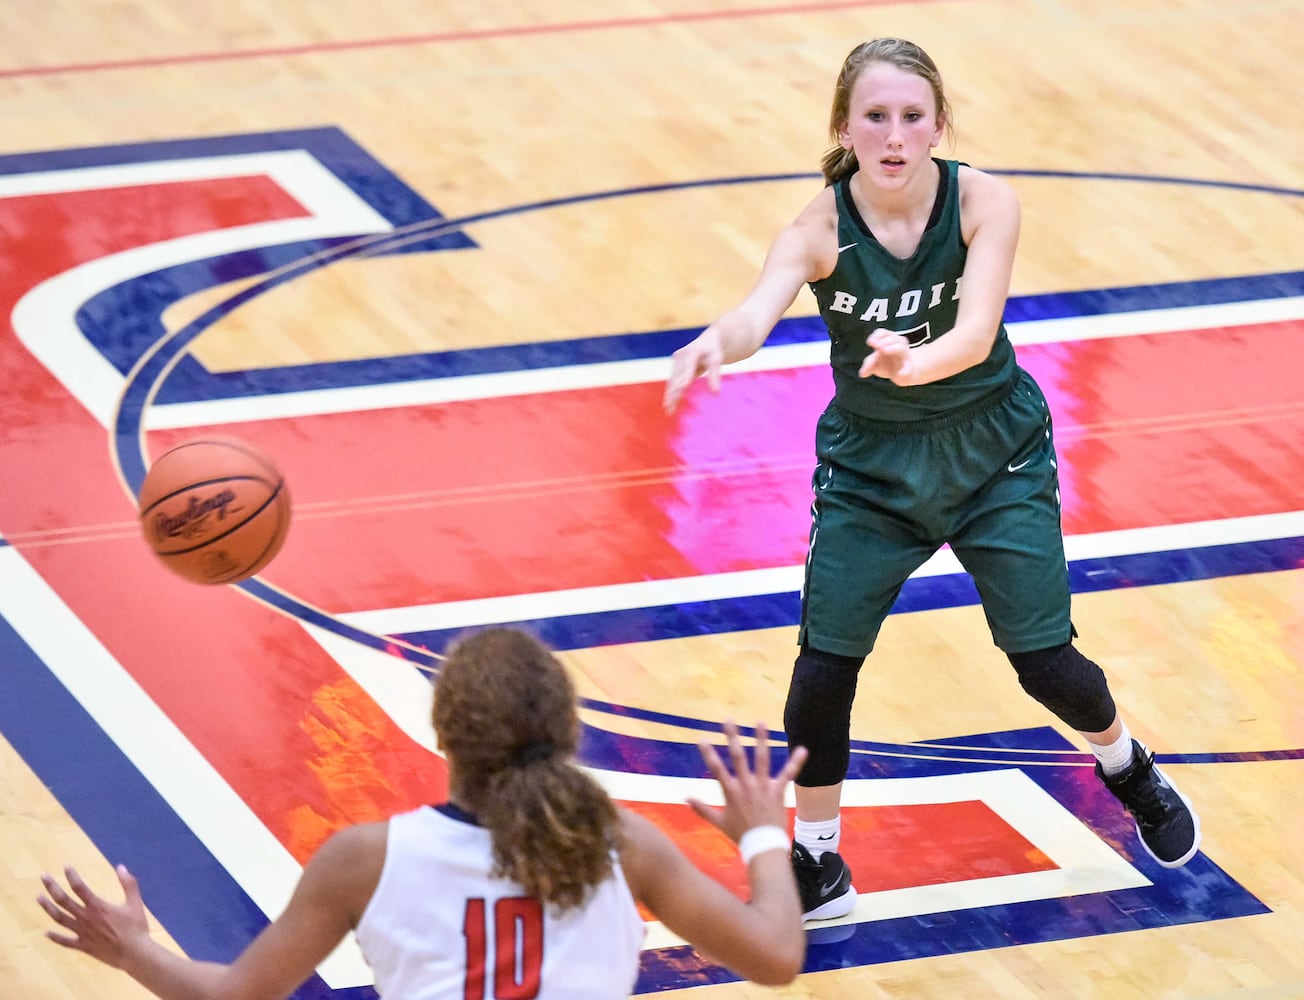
point(917, 297)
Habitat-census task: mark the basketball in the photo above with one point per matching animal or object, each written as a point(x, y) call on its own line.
point(215, 509)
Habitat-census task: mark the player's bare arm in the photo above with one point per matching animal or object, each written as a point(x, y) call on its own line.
point(325, 906)
point(761, 939)
point(804, 251)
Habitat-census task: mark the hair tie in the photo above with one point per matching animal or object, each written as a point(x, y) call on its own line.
point(531, 752)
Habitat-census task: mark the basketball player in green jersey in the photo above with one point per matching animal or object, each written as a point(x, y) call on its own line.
point(934, 435)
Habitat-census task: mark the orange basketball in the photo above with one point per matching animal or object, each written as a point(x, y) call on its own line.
point(215, 509)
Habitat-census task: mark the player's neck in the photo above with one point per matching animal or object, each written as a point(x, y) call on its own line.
point(908, 205)
point(898, 218)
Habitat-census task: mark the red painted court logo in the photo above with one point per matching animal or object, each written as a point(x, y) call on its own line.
point(242, 725)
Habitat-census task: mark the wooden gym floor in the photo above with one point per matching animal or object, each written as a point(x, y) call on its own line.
point(434, 257)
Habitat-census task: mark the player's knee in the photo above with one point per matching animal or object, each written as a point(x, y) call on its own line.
point(817, 715)
point(1067, 683)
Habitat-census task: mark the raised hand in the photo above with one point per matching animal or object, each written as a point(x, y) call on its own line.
point(751, 797)
point(101, 929)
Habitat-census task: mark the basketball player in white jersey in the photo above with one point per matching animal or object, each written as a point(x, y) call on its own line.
point(525, 883)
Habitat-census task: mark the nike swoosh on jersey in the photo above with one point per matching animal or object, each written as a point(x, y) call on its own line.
point(1015, 468)
point(848, 247)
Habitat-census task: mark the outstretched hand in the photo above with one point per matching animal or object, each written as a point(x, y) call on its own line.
point(889, 357)
point(700, 356)
point(97, 927)
point(751, 798)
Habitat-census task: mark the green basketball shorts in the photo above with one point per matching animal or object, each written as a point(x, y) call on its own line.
point(889, 495)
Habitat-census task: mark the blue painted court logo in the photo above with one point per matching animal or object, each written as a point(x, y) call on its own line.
point(993, 839)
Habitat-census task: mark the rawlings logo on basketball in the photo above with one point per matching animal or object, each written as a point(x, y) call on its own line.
point(192, 521)
point(214, 509)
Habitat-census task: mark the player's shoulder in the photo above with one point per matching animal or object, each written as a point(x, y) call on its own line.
point(986, 200)
point(812, 236)
point(638, 833)
point(346, 868)
point(821, 210)
point(354, 849)
point(649, 859)
point(981, 185)
point(643, 844)
point(360, 837)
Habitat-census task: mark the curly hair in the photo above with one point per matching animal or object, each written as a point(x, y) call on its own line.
point(838, 162)
point(505, 713)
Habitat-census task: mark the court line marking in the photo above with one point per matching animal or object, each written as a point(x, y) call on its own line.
point(45, 318)
point(788, 579)
point(1086, 864)
point(444, 37)
point(329, 192)
point(606, 374)
point(222, 821)
point(266, 871)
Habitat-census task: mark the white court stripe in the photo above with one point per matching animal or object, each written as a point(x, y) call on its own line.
point(125, 175)
point(422, 392)
point(45, 318)
point(788, 579)
point(1084, 863)
point(428, 392)
point(586, 600)
point(1133, 324)
point(203, 800)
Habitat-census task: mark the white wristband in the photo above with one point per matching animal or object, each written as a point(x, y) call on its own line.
point(762, 838)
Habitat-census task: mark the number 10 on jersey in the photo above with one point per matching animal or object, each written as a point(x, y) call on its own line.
point(515, 935)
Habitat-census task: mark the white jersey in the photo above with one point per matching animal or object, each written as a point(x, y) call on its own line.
point(439, 928)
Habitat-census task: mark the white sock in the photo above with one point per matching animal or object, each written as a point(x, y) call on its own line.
point(1115, 757)
point(818, 837)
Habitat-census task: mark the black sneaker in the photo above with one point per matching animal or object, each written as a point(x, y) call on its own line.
point(1167, 825)
point(824, 885)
